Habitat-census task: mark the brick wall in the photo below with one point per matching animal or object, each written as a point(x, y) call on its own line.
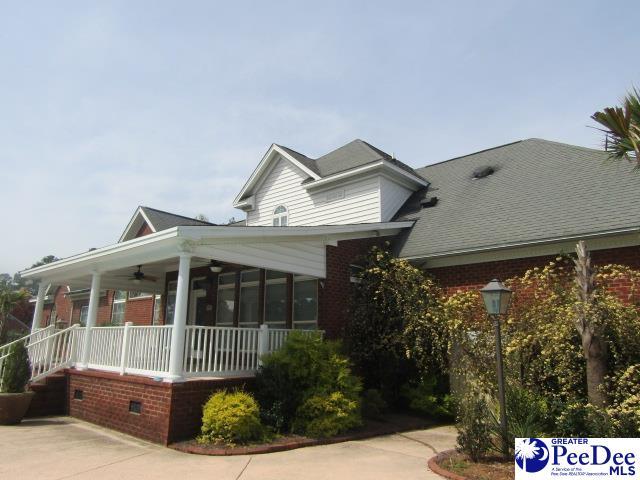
point(139, 311)
point(475, 276)
point(169, 411)
point(333, 299)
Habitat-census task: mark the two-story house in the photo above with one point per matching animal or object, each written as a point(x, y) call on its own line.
point(218, 296)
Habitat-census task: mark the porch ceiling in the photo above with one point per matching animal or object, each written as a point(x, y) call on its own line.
point(299, 250)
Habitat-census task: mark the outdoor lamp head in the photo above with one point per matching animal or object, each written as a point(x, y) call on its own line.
point(496, 297)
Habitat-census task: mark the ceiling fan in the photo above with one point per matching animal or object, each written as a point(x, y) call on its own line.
point(139, 276)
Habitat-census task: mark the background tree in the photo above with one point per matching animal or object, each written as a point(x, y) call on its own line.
point(622, 128)
point(9, 298)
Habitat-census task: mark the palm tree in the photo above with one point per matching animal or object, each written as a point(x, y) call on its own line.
point(526, 450)
point(622, 128)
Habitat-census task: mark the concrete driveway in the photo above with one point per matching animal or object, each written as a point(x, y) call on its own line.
point(63, 447)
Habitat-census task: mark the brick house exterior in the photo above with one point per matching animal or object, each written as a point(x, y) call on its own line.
point(492, 214)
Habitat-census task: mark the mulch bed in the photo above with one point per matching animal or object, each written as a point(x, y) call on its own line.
point(457, 466)
point(392, 423)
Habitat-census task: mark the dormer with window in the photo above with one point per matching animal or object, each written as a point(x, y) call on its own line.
point(356, 183)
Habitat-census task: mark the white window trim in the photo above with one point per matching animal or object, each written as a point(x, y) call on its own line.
point(84, 308)
point(277, 217)
point(138, 297)
point(118, 301)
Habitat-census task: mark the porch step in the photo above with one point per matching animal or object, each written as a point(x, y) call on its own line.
point(50, 396)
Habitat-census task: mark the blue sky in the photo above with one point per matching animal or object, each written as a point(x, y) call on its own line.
point(107, 105)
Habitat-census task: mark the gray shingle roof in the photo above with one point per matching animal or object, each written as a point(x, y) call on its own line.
point(162, 220)
point(540, 190)
point(352, 155)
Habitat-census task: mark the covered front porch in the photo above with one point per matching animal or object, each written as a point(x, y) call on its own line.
point(231, 295)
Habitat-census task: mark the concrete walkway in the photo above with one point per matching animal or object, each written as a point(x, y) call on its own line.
point(62, 447)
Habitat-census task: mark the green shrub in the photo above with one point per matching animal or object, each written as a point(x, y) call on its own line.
point(17, 370)
point(422, 398)
point(624, 411)
point(231, 418)
point(373, 405)
point(304, 367)
point(327, 415)
point(474, 425)
point(382, 340)
point(582, 420)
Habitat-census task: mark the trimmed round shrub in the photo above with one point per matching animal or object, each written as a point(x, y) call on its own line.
point(327, 415)
point(231, 418)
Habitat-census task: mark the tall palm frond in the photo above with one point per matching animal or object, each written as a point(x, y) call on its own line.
point(622, 128)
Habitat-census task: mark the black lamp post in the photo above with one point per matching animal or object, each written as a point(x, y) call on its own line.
point(496, 300)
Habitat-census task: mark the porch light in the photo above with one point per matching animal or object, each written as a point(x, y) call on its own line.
point(215, 267)
point(496, 297)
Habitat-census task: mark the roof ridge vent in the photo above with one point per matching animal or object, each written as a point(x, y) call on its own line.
point(483, 172)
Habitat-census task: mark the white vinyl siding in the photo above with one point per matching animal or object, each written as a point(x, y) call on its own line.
point(392, 197)
point(356, 202)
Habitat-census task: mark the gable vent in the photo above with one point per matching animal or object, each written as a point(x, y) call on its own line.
point(483, 172)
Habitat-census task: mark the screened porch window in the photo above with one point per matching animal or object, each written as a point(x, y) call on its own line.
point(305, 303)
point(170, 310)
point(226, 299)
point(249, 293)
point(157, 309)
point(275, 299)
point(280, 216)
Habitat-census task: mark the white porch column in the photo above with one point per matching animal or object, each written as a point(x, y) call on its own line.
point(92, 315)
point(39, 309)
point(176, 356)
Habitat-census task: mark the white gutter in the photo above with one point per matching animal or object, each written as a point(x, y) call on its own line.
point(451, 253)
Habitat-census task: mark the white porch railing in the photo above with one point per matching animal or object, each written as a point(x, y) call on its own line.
point(145, 350)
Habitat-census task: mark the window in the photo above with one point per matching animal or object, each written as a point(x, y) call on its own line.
point(305, 303)
point(226, 299)
point(117, 311)
point(84, 314)
point(249, 293)
point(157, 309)
point(171, 302)
point(280, 216)
point(133, 295)
point(275, 299)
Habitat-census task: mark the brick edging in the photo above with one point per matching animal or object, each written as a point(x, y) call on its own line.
point(291, 444)
point(435, 467)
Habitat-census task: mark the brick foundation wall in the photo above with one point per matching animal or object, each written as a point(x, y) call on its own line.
point(169, 411)
point(333, 299)
point(475, 276)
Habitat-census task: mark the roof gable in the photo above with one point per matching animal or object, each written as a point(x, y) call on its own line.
point(156, 220)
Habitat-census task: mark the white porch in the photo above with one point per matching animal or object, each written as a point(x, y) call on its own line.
point(178, 351)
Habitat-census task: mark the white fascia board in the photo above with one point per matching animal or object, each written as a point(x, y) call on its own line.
point(264, 164)
point(391, 170)
point(458, 256)
point(165, 239)
point(274, 233)
point(138, 213)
